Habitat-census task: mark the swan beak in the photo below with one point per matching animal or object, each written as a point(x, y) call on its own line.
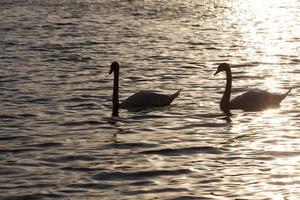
point(111, 70)
point(217, 72)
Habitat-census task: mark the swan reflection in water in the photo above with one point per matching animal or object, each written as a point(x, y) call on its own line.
point(142, 99)
point(253, 100)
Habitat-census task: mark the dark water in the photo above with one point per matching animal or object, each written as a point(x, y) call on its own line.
point(55, 139)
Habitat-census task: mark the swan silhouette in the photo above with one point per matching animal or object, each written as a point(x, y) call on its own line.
point(140, 99)
point(254, 100)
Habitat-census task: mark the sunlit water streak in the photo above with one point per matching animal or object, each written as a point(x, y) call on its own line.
point(57, 138)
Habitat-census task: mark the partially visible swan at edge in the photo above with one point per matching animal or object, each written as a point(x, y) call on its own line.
point(253, 100)
point(140, 99)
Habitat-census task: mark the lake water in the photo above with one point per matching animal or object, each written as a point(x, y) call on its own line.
point(57, 140)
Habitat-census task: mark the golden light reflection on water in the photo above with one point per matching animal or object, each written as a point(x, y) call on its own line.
point(260, 155)
point(271, 117)
point(271, 84)
point(267, 26)
point(275, 196)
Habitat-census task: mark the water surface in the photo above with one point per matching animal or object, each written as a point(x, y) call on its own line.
point(57, 139)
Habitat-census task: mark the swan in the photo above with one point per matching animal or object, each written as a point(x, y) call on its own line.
point(140, 99)
point(253, 100)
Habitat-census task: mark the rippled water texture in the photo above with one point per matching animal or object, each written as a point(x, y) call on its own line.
point(57, 140)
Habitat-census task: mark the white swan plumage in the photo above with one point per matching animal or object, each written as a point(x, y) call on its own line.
point(141, 99)
point(253, 100)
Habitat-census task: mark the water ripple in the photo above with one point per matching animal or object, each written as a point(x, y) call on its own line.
point(139, 174)
point(184, 151)
point(59, 141)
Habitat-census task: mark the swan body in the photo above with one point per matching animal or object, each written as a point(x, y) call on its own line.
point(253, 100)
point(148, 99)
point(140, 99)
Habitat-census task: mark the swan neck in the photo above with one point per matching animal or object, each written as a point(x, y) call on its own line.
point(115, 99)
point(225, 102)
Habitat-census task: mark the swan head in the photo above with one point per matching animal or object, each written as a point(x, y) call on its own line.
point(114, 66)
point(222, 67)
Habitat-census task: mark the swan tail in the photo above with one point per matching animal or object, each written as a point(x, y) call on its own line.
point(285, 94)
point(173, 96)
point(288, 91)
